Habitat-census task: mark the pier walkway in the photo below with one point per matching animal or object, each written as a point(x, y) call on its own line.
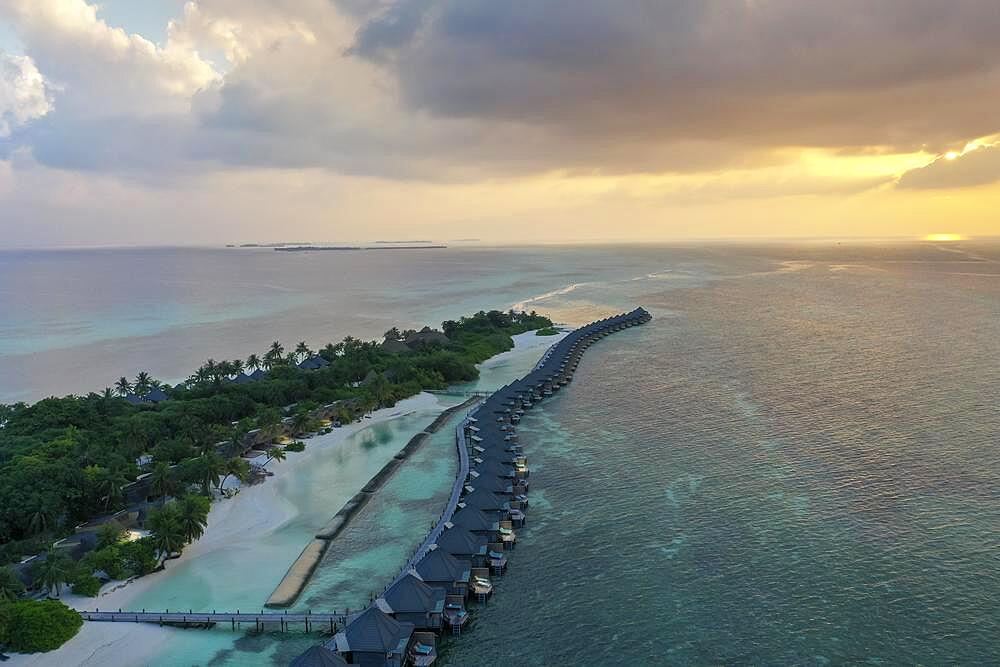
point(307, 621)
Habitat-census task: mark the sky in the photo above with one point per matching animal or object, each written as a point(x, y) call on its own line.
point(231, 121)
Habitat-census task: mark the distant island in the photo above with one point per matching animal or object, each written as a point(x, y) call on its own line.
point(305, 248)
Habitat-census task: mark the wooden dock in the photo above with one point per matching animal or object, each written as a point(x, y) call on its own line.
point(286, 621)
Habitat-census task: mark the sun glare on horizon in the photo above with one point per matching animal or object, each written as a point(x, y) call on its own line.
point(944, 237)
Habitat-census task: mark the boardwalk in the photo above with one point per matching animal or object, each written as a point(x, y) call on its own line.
point(306, 621)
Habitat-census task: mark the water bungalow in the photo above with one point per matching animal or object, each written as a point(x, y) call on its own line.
point(460, 543)
point(476, 522)
point(439, 568)
point(319, 656)
point(374, 639)
point(413, 601)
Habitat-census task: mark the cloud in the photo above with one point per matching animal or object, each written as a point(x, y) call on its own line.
point(101, 70)
point(443, 91)
point(979, 166)
point(24, 95)
point(787, 72)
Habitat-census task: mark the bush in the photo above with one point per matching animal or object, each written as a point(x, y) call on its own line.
point(547, 331)
point(87, 585)
point(36, 626)
point(140, 556)
point(296, 446)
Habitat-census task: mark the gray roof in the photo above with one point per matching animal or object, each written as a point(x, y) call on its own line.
point(473, 519)
point(319, 656)
point(313, 363)
point(156, 395)
point(411, 595)
point(374, 631)
point(461, 542)
point(439, 565)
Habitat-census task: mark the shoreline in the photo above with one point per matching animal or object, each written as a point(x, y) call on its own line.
point(256, 511)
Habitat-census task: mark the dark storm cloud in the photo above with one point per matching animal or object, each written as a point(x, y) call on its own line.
point(850, 73)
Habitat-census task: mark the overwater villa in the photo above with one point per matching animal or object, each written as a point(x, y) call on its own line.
point(320, 656)
point(478, 523)
point(374, 639)
point(439, 568)
point(460, 543)
point(412, 600)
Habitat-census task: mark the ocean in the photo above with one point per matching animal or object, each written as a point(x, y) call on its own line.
point(795, 463)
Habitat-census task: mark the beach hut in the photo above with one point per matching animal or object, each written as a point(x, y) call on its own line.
point(156, 395)
point(413, 601)
point(440, 568)
point(374, 639)
point(313, 363)
point(319, 656)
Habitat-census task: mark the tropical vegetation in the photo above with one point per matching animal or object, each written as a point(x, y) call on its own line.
point(65, 461)
point(32, 626)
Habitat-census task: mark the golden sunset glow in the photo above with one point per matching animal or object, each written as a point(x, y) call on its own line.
point(944, 237)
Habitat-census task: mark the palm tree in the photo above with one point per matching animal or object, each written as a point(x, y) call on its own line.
point(53, 572)
point(166, 529)
point(10, 585)
point(109, 534)
point(273, 355)
point(237, 366)
point(236, 467)
point(107, 394)
point(143, 383)
point(302, 350)
point(209, 466)
point(40, 520)
point(163, 481)
point(275, 454)
point(300, 422)
point(253, 363)
point(123, 386)
point(112, 484)
point(192, 515)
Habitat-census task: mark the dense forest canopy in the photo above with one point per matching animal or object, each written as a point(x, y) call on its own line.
point(64, 461)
